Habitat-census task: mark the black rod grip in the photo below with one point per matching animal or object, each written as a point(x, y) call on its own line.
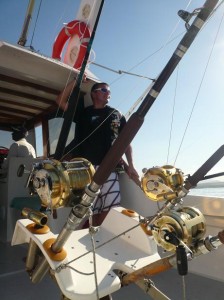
point(182, 264)
point(203, 170)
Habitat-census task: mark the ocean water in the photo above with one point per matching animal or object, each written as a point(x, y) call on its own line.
point(210, 191)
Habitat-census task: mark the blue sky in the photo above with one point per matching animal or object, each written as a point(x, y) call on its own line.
point(131, 32)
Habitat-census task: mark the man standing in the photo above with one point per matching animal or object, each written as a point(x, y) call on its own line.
point(97, 128)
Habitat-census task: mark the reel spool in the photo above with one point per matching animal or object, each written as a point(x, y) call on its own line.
point(187, 225)
point(60, 183)
point(162, 183)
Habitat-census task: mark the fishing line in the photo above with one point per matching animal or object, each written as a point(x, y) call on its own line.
point(60, 20)
point(125, 72)
point(138, 64)
point(216, 8)
point(184, 287)
point(172, 117)
point(199, 89)
point(168, 41)
point(101, 124)
point(128, 72)
point(94, 264)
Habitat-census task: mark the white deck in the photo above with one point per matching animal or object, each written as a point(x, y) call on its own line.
point(127, 252)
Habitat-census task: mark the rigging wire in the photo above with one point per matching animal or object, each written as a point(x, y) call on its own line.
point(68, 77)
point(126, 72)
point(168, 41)
point(70, 73)
point(122, 71)
point(32, 48)
point(199, 89)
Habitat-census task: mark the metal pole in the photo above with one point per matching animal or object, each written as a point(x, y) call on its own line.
point(23, 36)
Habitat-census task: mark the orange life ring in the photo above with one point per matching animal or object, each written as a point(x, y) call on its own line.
point(71, 29)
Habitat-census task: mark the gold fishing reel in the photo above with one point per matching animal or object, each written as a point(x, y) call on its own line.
point(58, 183)
point(162, 183)
point(186, 225)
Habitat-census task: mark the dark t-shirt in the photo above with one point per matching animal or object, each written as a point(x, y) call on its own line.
point(96, 130)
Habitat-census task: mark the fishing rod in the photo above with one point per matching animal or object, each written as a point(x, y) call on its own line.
point(137, 118)
point(166, 263)
point(199, 175)
point(74, 97)
point(180, 259)
point(213, 176)
point(113, 156)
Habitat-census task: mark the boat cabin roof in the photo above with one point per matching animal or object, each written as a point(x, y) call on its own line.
point(29, 85)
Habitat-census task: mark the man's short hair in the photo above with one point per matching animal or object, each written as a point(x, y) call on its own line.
point(98, 85)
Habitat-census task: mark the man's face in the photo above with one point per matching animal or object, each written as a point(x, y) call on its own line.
point(102, 93)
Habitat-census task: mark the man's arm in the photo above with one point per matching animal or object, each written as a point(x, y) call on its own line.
point(132, 173)
point(62, 98)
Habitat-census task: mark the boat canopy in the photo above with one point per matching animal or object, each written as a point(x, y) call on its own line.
point(29, 85)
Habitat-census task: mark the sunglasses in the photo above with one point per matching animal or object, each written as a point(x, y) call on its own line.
point(103, 90)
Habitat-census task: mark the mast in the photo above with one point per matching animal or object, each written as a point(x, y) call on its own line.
point(23, 37)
